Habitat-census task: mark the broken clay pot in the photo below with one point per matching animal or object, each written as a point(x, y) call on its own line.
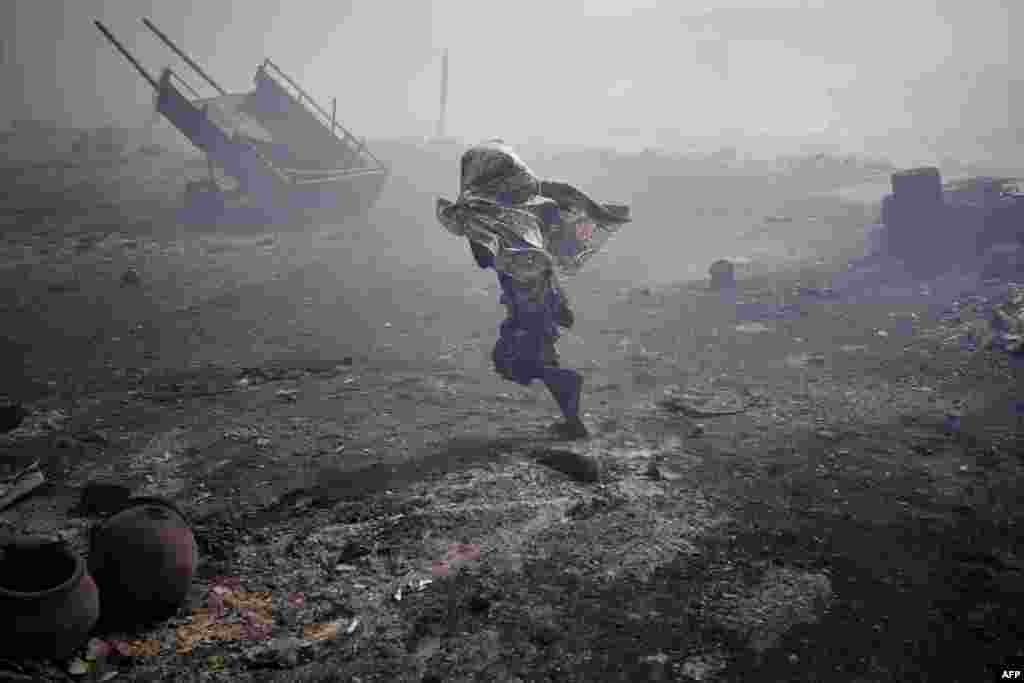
point(48, 601)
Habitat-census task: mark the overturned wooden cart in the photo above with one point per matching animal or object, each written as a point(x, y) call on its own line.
point(283, 150)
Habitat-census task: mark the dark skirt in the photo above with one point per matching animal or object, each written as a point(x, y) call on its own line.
point(522, 355)
point(526, 341)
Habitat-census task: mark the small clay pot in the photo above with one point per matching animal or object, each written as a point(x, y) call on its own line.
point(144, 558)
point(48, 601)
point(723, 275)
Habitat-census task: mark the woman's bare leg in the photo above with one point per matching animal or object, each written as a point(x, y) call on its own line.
point(566, 386)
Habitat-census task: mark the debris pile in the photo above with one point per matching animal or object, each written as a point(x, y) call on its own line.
point(932, 227)
point(975, 323)
point(1008, 322)
point(913, 215)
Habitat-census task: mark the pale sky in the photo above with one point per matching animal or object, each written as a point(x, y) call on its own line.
point(560, 70)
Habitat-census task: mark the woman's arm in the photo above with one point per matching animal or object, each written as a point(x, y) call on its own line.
point(484, 257)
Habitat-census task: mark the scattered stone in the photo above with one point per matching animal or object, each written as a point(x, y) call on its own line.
point(479, 604)
point(698, 430)
point(657, 666)
point(92, 437)
point(818, 292)
point(703, 667)
point(802, 360)
point(353, 550)
point(697, 404)
point(64, 287)
point(652, 471)
point(152, 150)
point(130, 278)
point(241, 434)
point(78, 667)
point(583, 468)
point(546, 632)
point(660, 658)
point(585, 509)
point(277, 653)
point(754, 328)
point(853, 348)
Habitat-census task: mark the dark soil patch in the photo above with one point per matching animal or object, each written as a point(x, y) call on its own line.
point(334, 485)
point(916, 600)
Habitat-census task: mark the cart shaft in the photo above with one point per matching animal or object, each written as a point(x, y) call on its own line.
point(127, 55)
point(178, 51)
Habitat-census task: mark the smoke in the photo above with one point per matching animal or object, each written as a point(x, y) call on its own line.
point(921, 78)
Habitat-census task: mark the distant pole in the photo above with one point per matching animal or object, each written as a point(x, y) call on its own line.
point(334, 112)
point(3, 66)
point(3, 72)
point(444, 94)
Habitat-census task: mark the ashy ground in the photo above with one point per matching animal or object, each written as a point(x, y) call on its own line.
point(372, 504)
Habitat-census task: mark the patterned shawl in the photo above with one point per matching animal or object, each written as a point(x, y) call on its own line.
point(530, 226)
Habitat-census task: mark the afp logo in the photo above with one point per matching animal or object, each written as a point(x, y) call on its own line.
point(1010, 669)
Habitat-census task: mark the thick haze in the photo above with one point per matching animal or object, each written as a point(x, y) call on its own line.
point(919, 79)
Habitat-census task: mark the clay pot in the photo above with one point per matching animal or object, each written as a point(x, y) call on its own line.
point(48, 601)
point(723, 274)
point(144, 558)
